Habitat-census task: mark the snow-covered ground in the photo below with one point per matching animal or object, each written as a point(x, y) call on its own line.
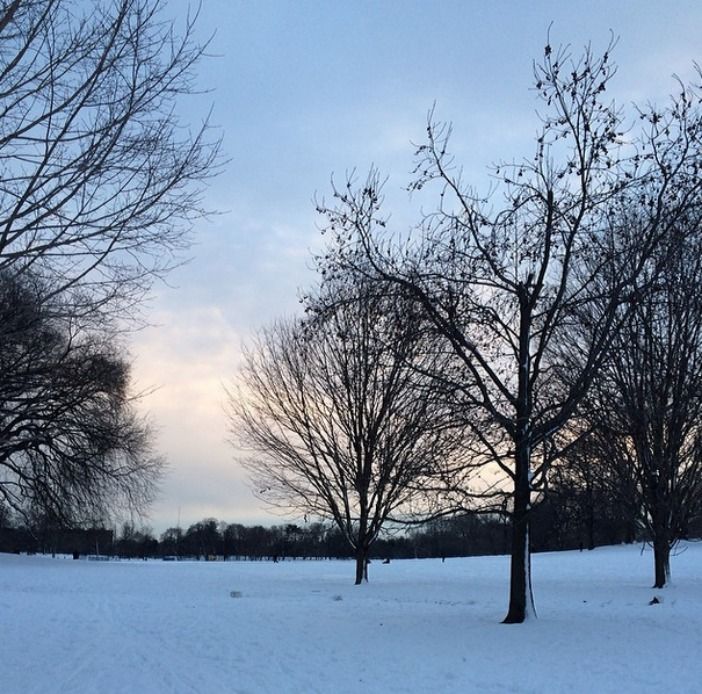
point(419, 626)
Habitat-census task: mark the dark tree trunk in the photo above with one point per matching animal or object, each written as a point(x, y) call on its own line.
point(591, 533)
point(630, 532)
point(590, 500)
point(521, 600)
point(362, 542)
point(590, 526)
point(661, 554)
point(361, 566)
point(660, 527)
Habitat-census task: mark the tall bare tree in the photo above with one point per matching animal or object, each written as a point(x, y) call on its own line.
point(647, 404)
point(99, 178)
point(99, 183)
point(337, 411)
point(502, 284)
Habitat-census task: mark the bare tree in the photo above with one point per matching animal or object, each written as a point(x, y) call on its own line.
point(337, 410)
point(647, 405)
point(503, 284)
point(99, 178)
point(72, 448)
point(99, 183)
point(598, 500)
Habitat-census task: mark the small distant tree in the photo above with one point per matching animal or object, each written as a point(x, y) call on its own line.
point(258, 542)
point(233, 538)
point(338, 414)
point(171, 542)
point(136, 542)
point(591, 502)
point(203, 538)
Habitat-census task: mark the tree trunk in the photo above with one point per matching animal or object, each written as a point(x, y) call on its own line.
point(630, 532)
point(361, 566)
point(661, 554)
point(661, 530)
point(362, 540)
point(590, 514)
point(590, 526)
point(521, 599)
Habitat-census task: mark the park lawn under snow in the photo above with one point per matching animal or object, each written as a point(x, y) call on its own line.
point(418, 626)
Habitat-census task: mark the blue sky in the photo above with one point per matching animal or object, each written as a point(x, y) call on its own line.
point(304, 90)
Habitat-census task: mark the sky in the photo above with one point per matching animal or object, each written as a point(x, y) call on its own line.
point(303, 91)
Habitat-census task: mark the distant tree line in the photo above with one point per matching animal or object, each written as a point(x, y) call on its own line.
point(573, 516)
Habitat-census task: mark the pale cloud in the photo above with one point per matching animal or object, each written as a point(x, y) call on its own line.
point(185, 358)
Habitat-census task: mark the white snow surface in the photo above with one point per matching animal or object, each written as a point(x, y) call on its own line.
point(301, 626)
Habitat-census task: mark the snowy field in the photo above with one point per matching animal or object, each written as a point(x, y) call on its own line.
point(419, 626)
